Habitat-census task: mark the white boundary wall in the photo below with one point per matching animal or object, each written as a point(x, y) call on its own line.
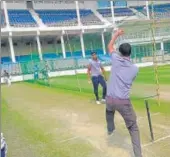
point(72, 72)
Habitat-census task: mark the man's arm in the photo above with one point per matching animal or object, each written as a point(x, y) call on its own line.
point(111, 45)
point(89, 73)
point(104, 73)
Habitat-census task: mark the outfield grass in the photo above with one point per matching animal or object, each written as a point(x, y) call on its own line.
point(145, 77)
point(144, 85)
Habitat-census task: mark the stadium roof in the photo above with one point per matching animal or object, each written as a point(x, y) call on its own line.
point(41, 1)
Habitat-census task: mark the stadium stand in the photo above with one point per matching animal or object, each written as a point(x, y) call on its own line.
point(92, 40)
point(5, 59)
point(117, 11)
point(61, 17)
point(88, 18)
point(67, 17)
point(160, 11)
point(21, 18)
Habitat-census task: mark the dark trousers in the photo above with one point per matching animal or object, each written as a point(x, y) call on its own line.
point(96, 80)
point(126, 110)
point(3, 152)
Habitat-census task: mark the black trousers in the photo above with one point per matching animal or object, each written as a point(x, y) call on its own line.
point(96, 80)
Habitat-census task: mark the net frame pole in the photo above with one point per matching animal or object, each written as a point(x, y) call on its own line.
point(153, 26)
point(149, 120)
point(75, 70)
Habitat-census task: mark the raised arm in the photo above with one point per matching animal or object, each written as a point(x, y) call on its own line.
point(111, 45)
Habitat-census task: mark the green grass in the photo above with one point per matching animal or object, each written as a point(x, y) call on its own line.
point(79, 82)
point(139, 105)
point(147, 75)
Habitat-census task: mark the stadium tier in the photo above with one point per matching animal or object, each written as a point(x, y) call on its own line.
point(58, 17)
point(67, 17)
point(21, 18)
point(88, 18)
point(160, 11)
point(117, 12)
point(93, 35)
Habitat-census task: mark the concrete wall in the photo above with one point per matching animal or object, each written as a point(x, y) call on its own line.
point(139, 2)
point(5, 51)
point(19, 5)
point(70, 5)
point(23, 49)
point(53, 6)
point(91, 4)
point(1, 5)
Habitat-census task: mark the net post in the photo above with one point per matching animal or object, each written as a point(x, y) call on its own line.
point(149, 120)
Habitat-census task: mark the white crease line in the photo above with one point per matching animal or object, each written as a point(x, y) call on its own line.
point(70, 139)
point(156, 141)
point(154, 114)
point(161, 126)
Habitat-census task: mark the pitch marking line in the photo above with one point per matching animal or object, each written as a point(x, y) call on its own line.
point(156, 141)
point(154, 114)
point(70, 139)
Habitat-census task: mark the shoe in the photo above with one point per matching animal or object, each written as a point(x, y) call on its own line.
point(110, 133)
point(98, 102)
point(103, 100)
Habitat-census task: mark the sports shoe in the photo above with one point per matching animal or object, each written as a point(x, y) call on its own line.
point(103, 100)
point(110, 133)
point(98, 102)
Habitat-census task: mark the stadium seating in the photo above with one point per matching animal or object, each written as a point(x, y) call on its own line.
point(21, 18)
point(5, 59)
point(120, 3)
point(160, 11)
point(67, 17)
point(48, 56)
point(58, 17)
point(106, 59)
point(88, 18)
point(117, 11)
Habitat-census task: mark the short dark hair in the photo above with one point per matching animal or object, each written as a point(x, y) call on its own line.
point(92, 53)
point(125, 49)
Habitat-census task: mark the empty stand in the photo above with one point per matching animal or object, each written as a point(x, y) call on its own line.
point(58, 17)
point(160, 11)
point(89, 18)
point(21, 18)
point(117, 11)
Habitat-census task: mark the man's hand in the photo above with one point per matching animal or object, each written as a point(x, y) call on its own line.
point(119, 32)
point(111, 47)
point(89, 81)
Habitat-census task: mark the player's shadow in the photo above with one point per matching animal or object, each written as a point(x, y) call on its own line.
point(120, 141)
